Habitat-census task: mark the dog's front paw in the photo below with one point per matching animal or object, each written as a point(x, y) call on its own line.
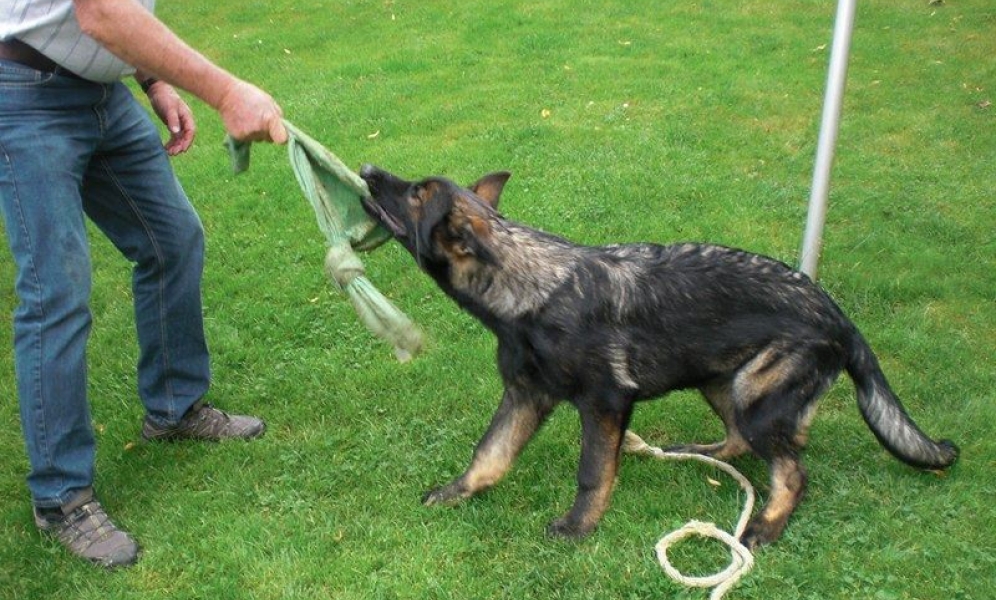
point(448, 495)
point(568, 528)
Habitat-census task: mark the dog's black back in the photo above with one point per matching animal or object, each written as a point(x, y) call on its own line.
point(681, 315)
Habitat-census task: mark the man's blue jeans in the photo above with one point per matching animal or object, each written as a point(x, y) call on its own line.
point(70, 148)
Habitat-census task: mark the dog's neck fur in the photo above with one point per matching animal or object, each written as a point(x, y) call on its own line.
point(531, 265)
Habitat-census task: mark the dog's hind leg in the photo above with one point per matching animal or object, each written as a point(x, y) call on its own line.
point(780, 401)
point(720, 398)
point(513, 424)
point(601, 440)
point(788, 485)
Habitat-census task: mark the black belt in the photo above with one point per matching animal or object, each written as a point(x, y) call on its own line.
point(23, 54)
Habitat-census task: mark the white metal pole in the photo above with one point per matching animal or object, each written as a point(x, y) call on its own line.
point(819, 195)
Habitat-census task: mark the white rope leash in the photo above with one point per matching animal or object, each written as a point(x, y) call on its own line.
point(741, 559)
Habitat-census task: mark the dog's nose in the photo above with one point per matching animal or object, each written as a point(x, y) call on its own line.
point(368, 170)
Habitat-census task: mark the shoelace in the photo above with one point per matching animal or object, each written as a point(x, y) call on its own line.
point(208, 415)
point(90, 513)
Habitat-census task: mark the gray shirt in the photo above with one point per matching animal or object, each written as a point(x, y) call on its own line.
point(50, 26)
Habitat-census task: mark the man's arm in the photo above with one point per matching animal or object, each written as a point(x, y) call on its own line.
point(137, 37)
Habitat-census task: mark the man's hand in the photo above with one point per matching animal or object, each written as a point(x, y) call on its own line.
point(175, 114)
point(251, 115)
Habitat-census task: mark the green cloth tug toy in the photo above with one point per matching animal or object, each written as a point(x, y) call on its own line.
point(335, 191)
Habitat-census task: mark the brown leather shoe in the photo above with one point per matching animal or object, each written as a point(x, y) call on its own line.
point(84, 529)
point(205, 422)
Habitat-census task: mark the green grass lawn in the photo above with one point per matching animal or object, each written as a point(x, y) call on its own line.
point(621, 121)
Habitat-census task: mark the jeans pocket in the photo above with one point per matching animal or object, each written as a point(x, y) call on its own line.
point(14, 76)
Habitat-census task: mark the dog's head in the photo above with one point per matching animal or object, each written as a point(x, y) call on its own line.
point(436, 220)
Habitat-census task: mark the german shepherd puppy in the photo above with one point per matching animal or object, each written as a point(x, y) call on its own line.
point(605, 327)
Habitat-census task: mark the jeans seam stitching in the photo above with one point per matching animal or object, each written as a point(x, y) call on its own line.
point(35, 375)
point(160, 285)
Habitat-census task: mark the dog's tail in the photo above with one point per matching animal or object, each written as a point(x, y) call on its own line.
point(887, 418)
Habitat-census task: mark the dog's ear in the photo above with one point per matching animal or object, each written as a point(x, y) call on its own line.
point(468, 236)
point(476, 237)
point(489, 187)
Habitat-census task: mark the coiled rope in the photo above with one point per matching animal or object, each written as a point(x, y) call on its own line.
point(741, 559)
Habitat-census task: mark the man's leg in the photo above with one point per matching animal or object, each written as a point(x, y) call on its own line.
point(131, 193)
point(44, 159)
point(47, 133)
